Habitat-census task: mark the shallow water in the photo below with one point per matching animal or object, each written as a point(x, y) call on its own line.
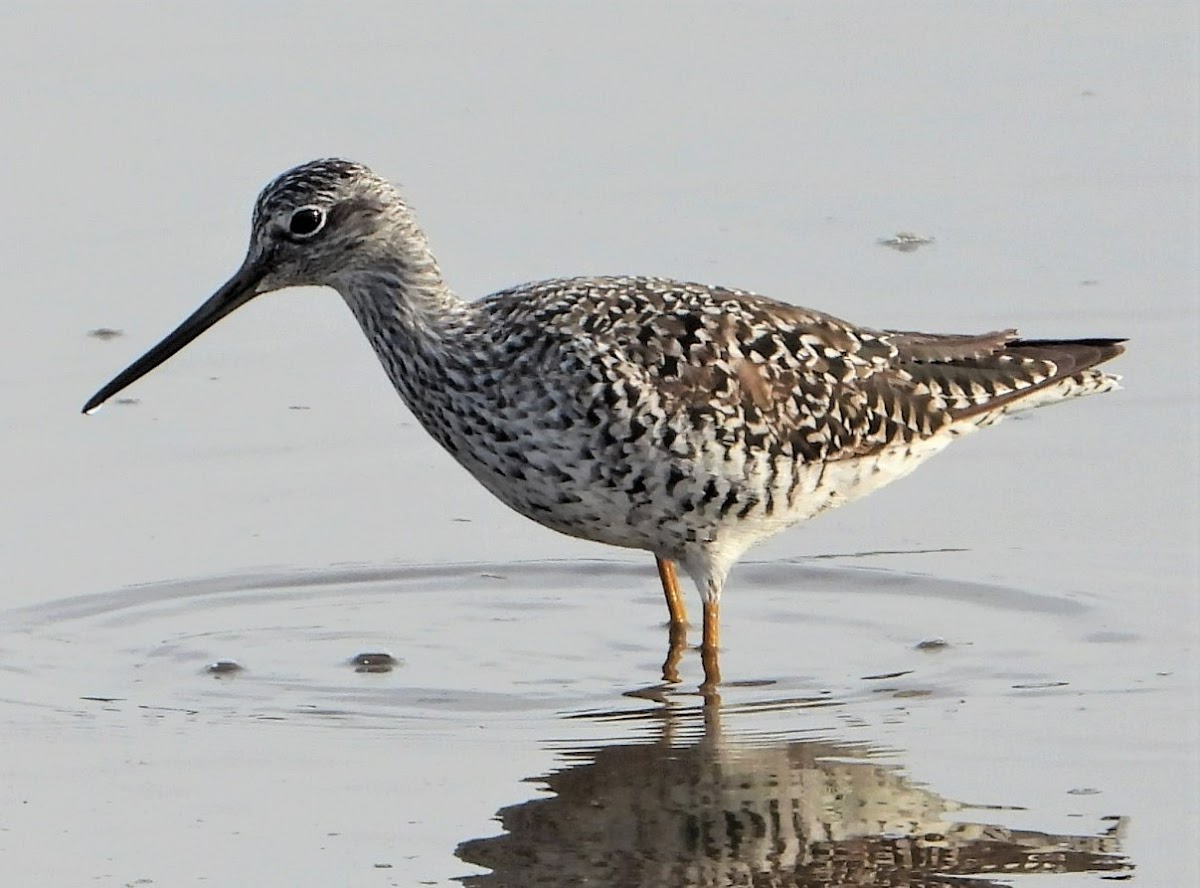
point(802, 772)
point(490, 637)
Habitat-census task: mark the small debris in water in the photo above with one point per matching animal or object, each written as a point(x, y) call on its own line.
point(886, 675)
point(299, 407)
point(1083, 790)
point(374, 662)
point(383, 866)
point(224, 667)
point(933, 644)
point(168, 709)
point(105, 333)
point(1041, 685)
point(905, 241)
point(103, 699)
point(127, 402)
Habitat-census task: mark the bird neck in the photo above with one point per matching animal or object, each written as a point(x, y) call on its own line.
point(395, 288)
point(407, 312)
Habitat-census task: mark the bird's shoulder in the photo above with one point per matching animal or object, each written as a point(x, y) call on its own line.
point(664, 325)
point(727, 358)
point(719, 361)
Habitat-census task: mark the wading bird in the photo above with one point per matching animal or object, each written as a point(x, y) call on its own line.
point(690, 421)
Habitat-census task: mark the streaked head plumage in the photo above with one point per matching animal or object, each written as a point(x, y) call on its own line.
point(312, 222)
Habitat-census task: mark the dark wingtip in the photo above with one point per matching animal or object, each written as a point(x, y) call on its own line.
point(1072, 355)
point(1097, 342)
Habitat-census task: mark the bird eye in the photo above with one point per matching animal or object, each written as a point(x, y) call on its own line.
point(306, 221)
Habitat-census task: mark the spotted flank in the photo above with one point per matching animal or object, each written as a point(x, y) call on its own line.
point(685, 418)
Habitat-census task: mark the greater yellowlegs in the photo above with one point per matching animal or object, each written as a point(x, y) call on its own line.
point(687, 420)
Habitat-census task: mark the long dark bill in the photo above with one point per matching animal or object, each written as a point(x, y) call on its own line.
point(239, 290)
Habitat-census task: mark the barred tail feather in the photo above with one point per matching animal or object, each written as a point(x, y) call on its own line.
point(1053, 371)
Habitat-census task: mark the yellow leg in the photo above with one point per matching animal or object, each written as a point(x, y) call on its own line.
point(678, 627)
point(670, 584)
point(708, 647)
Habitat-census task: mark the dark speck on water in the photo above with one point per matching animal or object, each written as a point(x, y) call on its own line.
point(1040, 685)
point(374, 662)
point(883, 675)
point(933, 644)
point(223, 667)
point(105, 333)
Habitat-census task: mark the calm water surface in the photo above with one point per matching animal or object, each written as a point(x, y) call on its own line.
point(800, 774)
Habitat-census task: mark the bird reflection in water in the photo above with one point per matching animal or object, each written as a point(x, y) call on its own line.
point(692, 808)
